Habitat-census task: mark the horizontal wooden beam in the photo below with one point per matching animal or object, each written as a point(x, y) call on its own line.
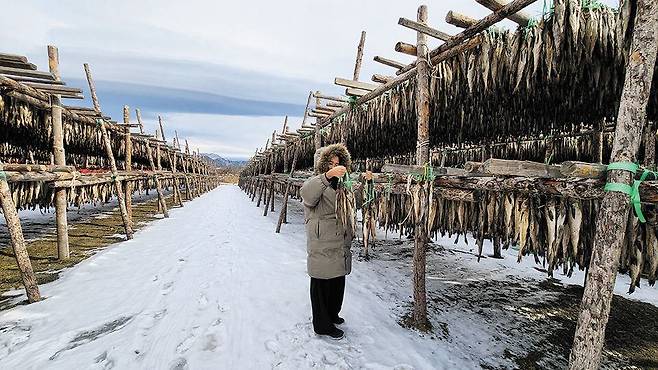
point(336, 104)
point(429, 31)
point(334, 98)
point(54, 88)
point(26, 73)
point(356, 92)
point(389, 62)
point(381, 78)
point(405, 48)
point(13, 57)
point(19, 65)
point(354, 84)
point(318, 115)
point(37, 80)
point(459, 20)
point(325, 110)
point(521, 18)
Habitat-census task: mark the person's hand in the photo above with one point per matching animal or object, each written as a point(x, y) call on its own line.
point(338, 171)
point(368, 175)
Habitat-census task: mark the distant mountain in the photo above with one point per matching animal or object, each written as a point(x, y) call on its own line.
point(220, 161)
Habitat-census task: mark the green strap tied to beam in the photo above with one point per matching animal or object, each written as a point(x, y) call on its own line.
point(632, 191)
point(427, 175)
point(3, 175)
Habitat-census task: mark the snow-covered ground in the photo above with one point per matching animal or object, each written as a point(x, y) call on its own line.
point(213, 287)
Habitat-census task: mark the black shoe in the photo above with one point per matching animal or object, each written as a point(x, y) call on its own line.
point(335, 334)
point(339, 320)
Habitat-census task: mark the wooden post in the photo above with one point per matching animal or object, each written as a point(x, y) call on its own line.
point(357, 72)
point(422, 157)
point(17, 241)
point(613, 213)
point(162, 205)
point(128, 165)
point(59, 158)
point(308, 102)
point(186, 177)
point(317, 137)
point(177, 195)
point(161, 129)
point(110, 155)
point(285, 156)
point(284, 206)
point(138, 114)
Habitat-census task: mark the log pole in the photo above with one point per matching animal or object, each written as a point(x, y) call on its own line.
point(127, 185)
point(17, 241)
point(317, 137)
point(284, 207)
point(422, 157)
point(613, 213)
point(156, 178)
point(110, 155)
point(59, 158)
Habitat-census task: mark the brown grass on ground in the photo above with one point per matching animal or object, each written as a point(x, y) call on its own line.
point(86, 237)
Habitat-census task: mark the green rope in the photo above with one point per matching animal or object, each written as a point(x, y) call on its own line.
point(632, 191)
point(346, 181)
point(389, 185)
point(427, 175)
point(98, 122)
point(352, 101)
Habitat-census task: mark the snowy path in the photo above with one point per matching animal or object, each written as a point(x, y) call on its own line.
point(211, 287)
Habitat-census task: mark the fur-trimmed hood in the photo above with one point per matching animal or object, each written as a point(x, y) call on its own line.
point(322, 157)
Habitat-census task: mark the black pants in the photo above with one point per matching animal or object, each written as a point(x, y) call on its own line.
point(326, 301)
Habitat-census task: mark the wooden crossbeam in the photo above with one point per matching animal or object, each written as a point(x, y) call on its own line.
point(336, 104)
point(381, 78)
point(37, 80)
point(13, 57)
point(354, 84)
point(460, 20)
point(405, 48)
point(327, 97)
point(389, 62)
point(54, 88)
point(19, 65)
point(26, 73)
point(356, 92)
point(429, 31)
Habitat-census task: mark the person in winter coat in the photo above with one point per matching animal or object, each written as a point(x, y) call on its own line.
point(329, 258)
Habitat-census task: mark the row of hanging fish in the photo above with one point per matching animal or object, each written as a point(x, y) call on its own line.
point(542, 80)
point(40, 195)
point(26, 130)
point(557, 232)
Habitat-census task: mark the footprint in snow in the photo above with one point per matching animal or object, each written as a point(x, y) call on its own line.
point(202, 301)
point(187, 343)
point(102, 362)
point(167, 288)
point(12, 336)
point(179, 364)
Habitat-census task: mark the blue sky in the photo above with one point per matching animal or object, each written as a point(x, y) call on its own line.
point(221, 73)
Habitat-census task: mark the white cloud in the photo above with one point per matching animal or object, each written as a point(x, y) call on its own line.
point(228, 136)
